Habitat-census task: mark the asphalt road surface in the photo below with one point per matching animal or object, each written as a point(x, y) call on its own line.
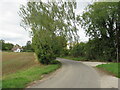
point(72, 74)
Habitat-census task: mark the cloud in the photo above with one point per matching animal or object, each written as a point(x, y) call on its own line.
point(10, 29)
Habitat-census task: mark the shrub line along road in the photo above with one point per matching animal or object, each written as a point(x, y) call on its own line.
point(73, 74)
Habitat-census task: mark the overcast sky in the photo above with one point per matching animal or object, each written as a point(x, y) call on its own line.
point(10, 29)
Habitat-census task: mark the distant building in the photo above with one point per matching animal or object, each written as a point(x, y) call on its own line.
point(17, 48)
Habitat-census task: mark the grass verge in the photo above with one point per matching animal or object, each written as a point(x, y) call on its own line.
point(21, 78)
point(75, 58)
point(112, 68)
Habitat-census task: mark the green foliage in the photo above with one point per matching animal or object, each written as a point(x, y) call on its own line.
point(60, 46)
point(101, 23)
point(78, 50)
point(28, 47)
point(98, 49)
point(55, 62)
point(94, 49)
point(6, 46)
point(111, 67)
point(44, 47)
point(80, 58)
point(52, 25)
point(99, 19)
point(22, 78)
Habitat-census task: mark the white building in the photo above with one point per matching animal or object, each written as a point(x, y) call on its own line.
point(17, 48)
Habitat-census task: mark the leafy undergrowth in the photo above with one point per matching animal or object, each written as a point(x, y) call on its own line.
point(22, 78)
point(112, 68)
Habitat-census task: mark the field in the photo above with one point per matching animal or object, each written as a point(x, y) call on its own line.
point(13, 62)
point(19, 69)
point(112, 68)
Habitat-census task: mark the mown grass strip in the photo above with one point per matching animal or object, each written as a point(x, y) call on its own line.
point(111, 67)
point(22, 78)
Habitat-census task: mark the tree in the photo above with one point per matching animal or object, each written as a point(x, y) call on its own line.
point(2, 43)
point(6, 46)
point(48, 22)
point(78, 50)
point(61, 46)
point(28, 47)
point(101, 22)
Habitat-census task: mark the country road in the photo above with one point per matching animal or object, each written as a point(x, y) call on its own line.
point(72, 74)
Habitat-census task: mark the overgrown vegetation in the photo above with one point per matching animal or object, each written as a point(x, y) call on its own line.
point(112, 68)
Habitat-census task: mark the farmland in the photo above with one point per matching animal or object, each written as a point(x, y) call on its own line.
point(13, 62)
point(20, 69)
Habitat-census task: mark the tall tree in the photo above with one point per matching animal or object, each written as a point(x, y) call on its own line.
point(101, 20)
point(47, 22)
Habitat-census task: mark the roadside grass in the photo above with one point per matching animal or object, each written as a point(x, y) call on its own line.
point(20, 69)
point(112, 68)
point(75, 58)
point(0, 83)
point(80, 59)
point(22, 78)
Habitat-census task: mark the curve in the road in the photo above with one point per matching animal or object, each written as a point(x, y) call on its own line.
point(73, 74)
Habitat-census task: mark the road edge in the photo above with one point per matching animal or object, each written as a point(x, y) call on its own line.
point(45, 77)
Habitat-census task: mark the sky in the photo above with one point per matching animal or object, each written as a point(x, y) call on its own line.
point(10, 29)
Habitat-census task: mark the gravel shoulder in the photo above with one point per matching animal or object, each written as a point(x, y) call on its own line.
point(106, 78)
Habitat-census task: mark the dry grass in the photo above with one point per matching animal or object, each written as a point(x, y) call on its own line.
point(13, 62)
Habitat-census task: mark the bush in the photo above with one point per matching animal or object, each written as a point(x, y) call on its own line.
point(46, 58)
point(55, 62)
point(78, 50)
point(81, 59)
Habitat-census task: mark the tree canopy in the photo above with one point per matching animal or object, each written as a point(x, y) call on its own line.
point(6, 46)
point(50, 22)
point(28, 47)
point(101, 21)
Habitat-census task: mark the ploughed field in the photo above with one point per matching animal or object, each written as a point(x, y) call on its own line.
point(13, 62)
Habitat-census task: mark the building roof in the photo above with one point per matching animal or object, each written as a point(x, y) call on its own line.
point(16, 47)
